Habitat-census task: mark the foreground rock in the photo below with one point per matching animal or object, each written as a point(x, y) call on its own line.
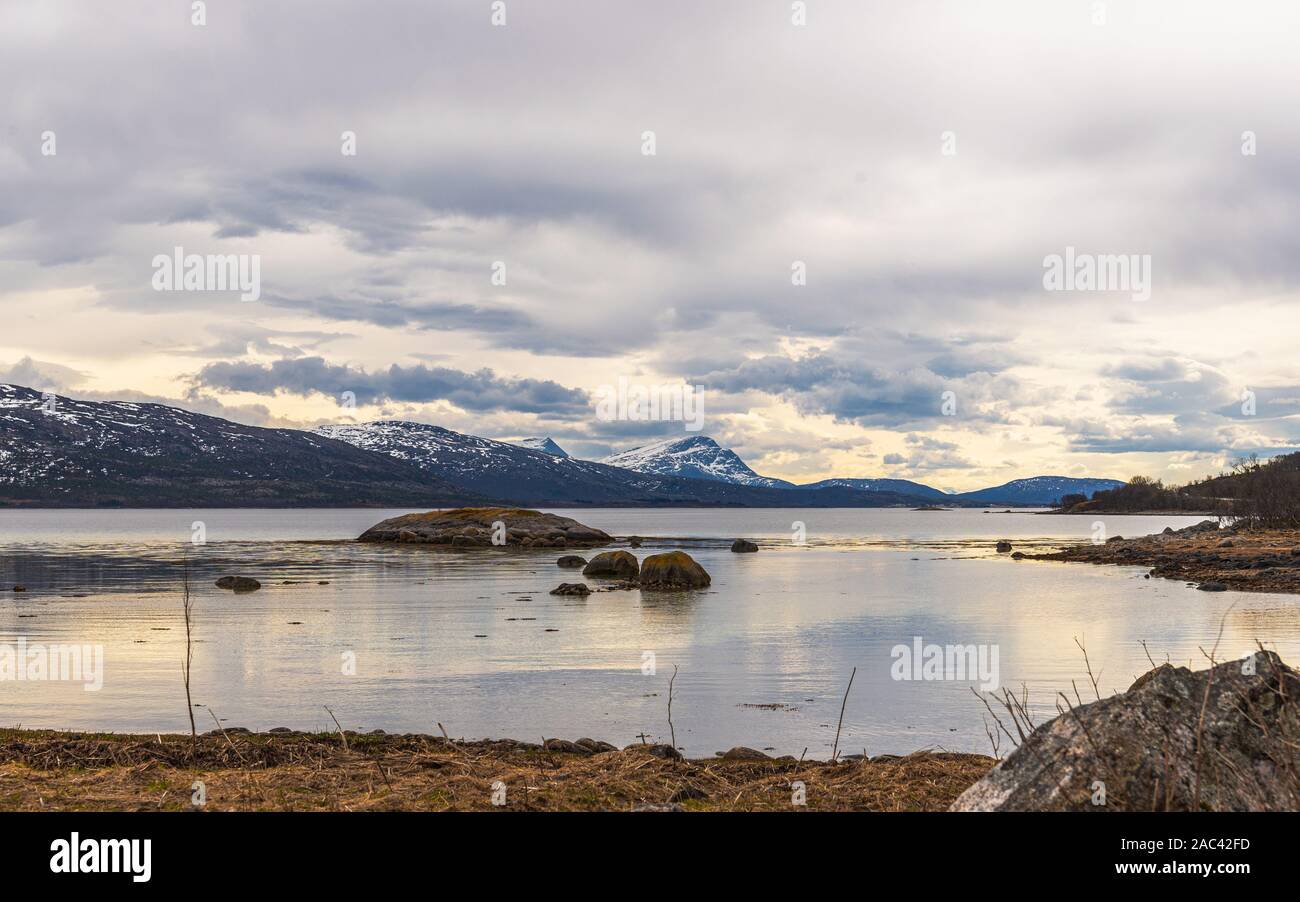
point(1252, 560)
point(474, 527)
point(239, 583)
point(613, 565)
point(673, 570)
point(1165, 745)
point(743, 546)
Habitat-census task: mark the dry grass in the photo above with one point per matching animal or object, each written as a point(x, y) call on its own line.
point(41, 770)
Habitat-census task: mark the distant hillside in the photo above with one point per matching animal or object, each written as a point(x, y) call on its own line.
point(113, 453)
point(903, 486)
point(1038, 490)
point(1260, 493)
point(508, 473)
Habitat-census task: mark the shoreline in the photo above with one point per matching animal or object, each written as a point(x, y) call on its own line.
point(47, 770)
point(1217, 559)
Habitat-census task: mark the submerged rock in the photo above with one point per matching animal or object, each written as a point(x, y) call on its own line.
point(571, 589)
point(1222, 739)
point(613, 564)
point(239, 583)
point(475, 527)
point(743, 546)
point(673, 570)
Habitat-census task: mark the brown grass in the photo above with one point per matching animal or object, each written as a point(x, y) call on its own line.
point(43, 770)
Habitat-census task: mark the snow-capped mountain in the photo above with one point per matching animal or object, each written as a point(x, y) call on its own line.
point(508, 473)
point(903, 486)
point(546, 445)
point(695, 457)
point(1038, 490)
point(63, 452)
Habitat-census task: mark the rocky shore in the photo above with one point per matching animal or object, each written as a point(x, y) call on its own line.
point(290, 771)
point(1214, 558)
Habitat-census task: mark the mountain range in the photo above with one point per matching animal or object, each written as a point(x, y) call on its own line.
point(57, 451)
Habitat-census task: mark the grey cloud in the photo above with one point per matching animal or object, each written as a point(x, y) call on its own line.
point(482, 390)
point(849, 390)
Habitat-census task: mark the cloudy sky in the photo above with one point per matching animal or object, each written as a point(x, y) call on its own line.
point(920, 161)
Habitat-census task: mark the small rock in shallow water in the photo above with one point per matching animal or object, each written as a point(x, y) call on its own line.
point(571, 560)
point(571, 589)
point(743, 546)
point(1003, 546)
point(1212, 586)
point(239, 583)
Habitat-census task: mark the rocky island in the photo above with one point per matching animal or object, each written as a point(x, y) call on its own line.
point(486, 527)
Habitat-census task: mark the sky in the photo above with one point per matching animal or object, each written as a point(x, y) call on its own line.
point(830, 217)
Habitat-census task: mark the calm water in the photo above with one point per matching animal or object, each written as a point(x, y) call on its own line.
point(471, 639)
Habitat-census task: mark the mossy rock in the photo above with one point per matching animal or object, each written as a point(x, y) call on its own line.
point(673, 570)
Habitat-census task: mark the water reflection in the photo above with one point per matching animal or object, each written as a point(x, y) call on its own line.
point(474, 640)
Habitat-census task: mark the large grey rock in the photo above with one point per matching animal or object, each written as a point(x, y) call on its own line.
point(1223, 739)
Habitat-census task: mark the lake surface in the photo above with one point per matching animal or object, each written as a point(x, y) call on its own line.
point(471, 639)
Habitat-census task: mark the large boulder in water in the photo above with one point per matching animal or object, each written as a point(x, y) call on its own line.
point(673, 570)
point(1223, 739)
point(613, 565)
point(473, 527)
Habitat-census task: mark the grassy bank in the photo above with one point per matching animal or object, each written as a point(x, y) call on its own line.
point(56, 771)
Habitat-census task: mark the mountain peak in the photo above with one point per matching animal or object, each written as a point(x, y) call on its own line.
point(693, 456)
point(545, 444)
